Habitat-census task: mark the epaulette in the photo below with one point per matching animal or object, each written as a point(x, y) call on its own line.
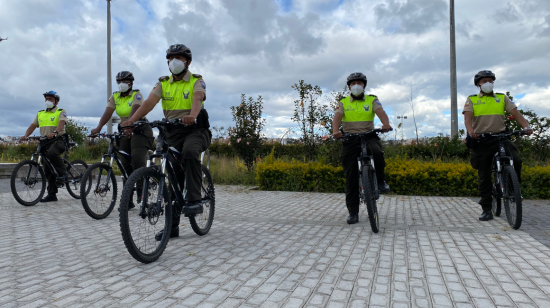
point(60, 109)
point(136, 90)
point(373, 95)
point(116, 92)
point(473, 95)
point(197, 75)
point(41, 110)
point(164, 78)
point(500, 93)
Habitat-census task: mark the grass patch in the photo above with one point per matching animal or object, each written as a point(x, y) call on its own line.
point(231, 171)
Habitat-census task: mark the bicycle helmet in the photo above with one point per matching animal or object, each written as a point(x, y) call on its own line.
point(483, 74)
point(52, 93)
point(357, 76)
point(179, 49)
point(125, 75)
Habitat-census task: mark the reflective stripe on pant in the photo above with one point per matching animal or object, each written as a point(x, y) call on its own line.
point(53, 150)
point(350, 151)
point(191, 143)
point(482, 160)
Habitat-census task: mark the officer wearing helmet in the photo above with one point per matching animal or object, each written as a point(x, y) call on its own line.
point(183, 95)
point(485, 113)
point(136, 142)
point(51, 122)
point(356, 114)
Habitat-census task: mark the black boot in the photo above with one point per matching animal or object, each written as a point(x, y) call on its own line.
point(383, 187)
point(194, 207)
point(486, 215)
point(49, 198)
point(175, 232)
point(353, 218)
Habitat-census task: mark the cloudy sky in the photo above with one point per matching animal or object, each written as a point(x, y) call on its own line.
point(262, 47)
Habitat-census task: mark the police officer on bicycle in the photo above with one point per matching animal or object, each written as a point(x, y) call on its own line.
point(51, 122)
point(356, 114)
point(136, 142)
point(183, 95)
point(485, 113)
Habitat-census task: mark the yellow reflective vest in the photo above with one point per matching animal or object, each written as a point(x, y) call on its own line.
point(124, 103)
point(488, 105)
point(358, 110)
point(178, 95)
point(48, 118)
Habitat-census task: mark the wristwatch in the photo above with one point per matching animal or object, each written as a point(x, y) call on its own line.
point(56, 132)
point(527, 128)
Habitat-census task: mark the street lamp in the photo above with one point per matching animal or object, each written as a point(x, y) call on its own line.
point(401, 126)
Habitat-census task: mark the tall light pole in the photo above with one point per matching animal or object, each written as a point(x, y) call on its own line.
point(454, 111)
point(109, 89)
point(401, 126)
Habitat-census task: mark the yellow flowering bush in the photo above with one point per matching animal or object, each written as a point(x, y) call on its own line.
point(405, 176)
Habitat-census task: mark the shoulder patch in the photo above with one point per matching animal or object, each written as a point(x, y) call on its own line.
point(197, 75)
point(138, 97)
point(164, 78)
point(203, 85)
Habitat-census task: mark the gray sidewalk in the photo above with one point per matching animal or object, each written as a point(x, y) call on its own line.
point(275, 249)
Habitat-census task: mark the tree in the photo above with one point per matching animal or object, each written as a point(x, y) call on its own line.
point(310, 114)
point(413, 94)
point(246, 136)
point(76, 130)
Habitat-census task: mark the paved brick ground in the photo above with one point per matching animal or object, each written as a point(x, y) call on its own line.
point(275, 249)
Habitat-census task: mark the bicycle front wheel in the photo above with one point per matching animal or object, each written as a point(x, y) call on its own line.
point(28, 182)
point(74, 177)
point(512, 197)
point(201, 223)
point(140, 226)
point(98, 191)
point(370, 199)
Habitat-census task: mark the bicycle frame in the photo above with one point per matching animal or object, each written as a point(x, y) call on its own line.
point(169, 165)
point(113, 152)
point(39, 152)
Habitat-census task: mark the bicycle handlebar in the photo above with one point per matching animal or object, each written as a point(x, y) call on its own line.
point(377, 130)
point(503, 135)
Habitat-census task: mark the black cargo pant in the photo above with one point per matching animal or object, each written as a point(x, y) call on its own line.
point(350, 151)
point(137, 146)
point(52, 150)
point(191, 143)
point(482, 160)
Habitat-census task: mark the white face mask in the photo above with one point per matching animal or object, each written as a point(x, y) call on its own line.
point(49, 105)
point(356, 89)
point(487, 87)
point(123, 87)
point(176, 66)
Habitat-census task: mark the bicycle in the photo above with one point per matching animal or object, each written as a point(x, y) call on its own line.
point(27, 179)
point(160, 183)
point(506, 188)
point(368, 185)
point(101, 200)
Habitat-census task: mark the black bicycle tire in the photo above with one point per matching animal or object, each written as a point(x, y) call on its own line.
point(69, 189)
point(369, 199)
point(13, 179)
point(127, 193)
point(198, 230)
point(496, 202)
point(84, 200)
point(509, 170)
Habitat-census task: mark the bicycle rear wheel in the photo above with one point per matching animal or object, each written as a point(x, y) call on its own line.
point(201, 223)
point(28, 182)
point(497, 196)
point(370, 200)
point(512, 197)
point(74, 178)
point(98, 191)
point(140, 225)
